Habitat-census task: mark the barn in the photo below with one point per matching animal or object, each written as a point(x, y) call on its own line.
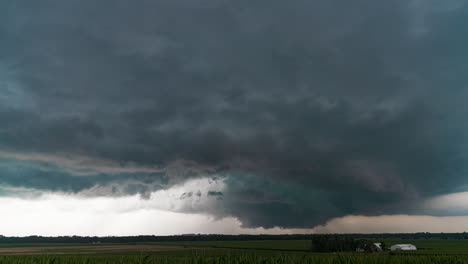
point(403, 247)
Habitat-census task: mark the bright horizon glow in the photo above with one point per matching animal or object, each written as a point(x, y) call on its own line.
point(67, 215)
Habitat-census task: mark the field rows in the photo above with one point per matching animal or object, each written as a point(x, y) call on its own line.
point(245, 259)
point(228, 252)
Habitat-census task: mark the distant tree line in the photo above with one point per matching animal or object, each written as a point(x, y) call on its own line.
point(421, 235)
point(214, 237)
point(141, 239)
point(336, 243)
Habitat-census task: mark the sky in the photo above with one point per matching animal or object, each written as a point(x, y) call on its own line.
point(132, 117)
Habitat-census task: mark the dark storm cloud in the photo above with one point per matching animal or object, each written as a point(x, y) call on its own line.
point(44, 176)
point(307, 109)
point(215, 193)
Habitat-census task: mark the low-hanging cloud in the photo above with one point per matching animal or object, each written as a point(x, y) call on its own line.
point(305, 110)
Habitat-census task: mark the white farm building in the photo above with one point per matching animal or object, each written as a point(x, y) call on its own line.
point(403, 247)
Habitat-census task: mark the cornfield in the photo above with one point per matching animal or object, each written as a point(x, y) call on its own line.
point(241, 259)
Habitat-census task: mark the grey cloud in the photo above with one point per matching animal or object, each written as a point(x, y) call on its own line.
point(314, 109)
point(218, 195)
point(215, 193)
point(186, 195)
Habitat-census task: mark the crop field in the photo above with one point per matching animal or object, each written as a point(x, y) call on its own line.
point(285, 245)
point(265, 251)
point(425, 246)
point(238, 259)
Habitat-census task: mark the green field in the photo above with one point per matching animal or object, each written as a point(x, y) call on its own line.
point(236, 259)
point(286, 245)
point(425, 246)
point(265, 251)
point(435, 246)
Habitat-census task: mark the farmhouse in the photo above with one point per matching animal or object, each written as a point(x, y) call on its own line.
point(378, 247)
point(403, 247)
point(374, 247)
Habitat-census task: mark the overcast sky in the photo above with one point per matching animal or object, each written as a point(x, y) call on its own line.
point(250, 116)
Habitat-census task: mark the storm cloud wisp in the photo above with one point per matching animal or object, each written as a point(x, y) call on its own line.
point(285, 113)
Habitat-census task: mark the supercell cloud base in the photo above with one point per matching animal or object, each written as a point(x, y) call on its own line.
point(125, 117)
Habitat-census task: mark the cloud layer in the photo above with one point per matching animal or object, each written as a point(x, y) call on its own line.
point(304, 110)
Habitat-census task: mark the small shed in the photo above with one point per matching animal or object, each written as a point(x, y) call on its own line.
point(372, 247)
point(378, 247)
point(403, 247)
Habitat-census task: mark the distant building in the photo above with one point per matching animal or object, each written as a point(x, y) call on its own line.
point(378, 247)
point(403, 247)
point(374, 247)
